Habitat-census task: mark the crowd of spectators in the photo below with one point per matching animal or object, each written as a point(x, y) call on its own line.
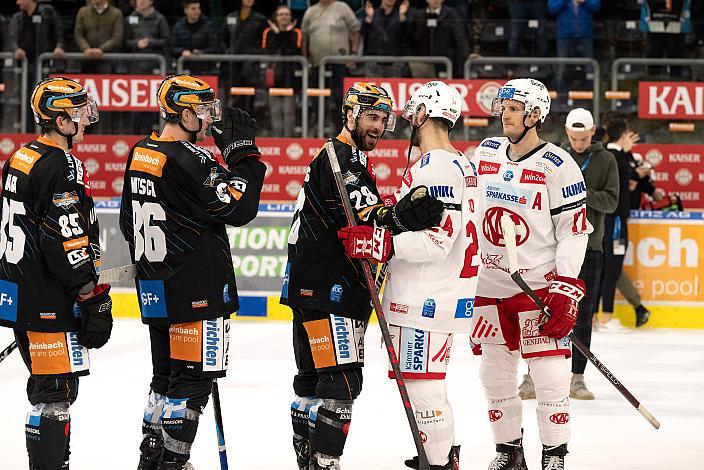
point(456, 29)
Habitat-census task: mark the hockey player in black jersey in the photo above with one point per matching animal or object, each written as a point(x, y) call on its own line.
point(176, 203)
point(49, 262)
point(325, 287)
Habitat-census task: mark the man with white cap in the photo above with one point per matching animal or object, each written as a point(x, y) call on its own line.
point(602, 188)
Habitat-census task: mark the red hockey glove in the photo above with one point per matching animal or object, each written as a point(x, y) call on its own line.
point(364, 241)
point(563, 302)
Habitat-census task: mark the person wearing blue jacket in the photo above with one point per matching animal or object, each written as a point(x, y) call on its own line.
point(575, 29)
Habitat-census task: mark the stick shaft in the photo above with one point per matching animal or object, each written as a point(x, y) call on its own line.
point(8, 350)
point(383, 325)
point(219, 427)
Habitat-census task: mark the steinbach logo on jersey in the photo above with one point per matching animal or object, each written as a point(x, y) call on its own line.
point(491, 226)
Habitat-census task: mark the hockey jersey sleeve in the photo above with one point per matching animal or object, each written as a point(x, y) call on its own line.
point(568, 209)
point(447, 184)
point(229, 195)
point(68, 231)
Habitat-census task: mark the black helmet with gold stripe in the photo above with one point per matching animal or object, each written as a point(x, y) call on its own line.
point(363, 96)
point(179, 92)
point(58, 96)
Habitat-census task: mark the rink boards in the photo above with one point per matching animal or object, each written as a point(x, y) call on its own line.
point(665, 257)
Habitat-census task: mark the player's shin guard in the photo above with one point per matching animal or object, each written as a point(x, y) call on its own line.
point(551, 376)
point(152, 442)
point(179, 425)
point(329, 422)
point(435, 420)
point(498, 376)
point(47, 432)
point(300, 411)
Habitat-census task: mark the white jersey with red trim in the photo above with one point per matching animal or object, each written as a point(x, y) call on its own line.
point(432, 276)
point(545, 195)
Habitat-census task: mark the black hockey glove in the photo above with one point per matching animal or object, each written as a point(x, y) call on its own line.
point(96, 318)
point(415, 211)
point(234, 135)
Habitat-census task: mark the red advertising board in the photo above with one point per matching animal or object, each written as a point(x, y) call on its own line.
point(477, 95)
point(127, 92)
point(677, 168)
point(671, 100)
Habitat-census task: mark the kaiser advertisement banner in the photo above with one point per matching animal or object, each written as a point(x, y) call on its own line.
point(127, 92)
point(671, 100)
point(477, 95)
point(677, 168)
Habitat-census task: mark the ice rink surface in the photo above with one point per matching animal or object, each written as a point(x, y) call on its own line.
point(663, 368)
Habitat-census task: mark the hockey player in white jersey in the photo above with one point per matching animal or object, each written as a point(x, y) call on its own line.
point(542, 189)
point(432, 276)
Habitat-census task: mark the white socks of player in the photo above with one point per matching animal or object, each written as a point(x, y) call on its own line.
point(434, 417)
point(552, 377)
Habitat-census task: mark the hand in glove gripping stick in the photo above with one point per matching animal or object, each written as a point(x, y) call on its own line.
point(234, 135)
point(96, 317)
point(363, 241)
point(563, 302)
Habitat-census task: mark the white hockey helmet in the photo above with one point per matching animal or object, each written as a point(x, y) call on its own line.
point(441, 101)
point(532, 93)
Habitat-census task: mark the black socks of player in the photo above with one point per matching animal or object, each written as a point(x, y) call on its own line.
point(300, 409)
point(47, 434)
point(329, 424)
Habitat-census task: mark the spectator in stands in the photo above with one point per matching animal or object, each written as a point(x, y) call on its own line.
point(666, 22)
point(33, 30)
point(330, 27)
point(384, 32)
point(282, 38)
point(193, 35)
point(521, 11)
point(616, 223)
point(99, 28)
point(438, 31)
point(146, 31)
point(242, 34)
point(575, 30)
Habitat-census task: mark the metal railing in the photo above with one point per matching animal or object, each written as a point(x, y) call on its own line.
point(260, 59)
point(344, 59)
point(108, 56)
point(545, 61)
point(618, 63)
point(8, 58)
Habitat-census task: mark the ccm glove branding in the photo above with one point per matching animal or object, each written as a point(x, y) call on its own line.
point(96, 318)
point(563, 302)
point(234, 135)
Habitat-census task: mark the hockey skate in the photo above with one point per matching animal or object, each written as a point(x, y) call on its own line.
point(452, 464)
point(578, 388)
point(554, 457)
point(642, 316)
point(302, 448)
point(324, 462)
point(527, 388)
point(150, 453)
point(509, 456)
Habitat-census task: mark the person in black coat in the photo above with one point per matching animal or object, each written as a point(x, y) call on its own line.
point(438, 30)
point(193, 35)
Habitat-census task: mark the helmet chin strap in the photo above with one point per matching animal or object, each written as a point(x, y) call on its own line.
point(192, 135)
point(410, 144)
point(525, 131)
point(68, 137)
